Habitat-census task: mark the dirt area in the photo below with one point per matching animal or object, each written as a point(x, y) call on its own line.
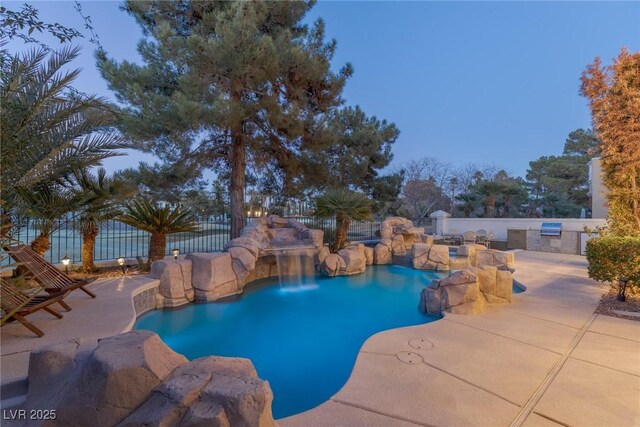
point(609, 304)
point(114, 271)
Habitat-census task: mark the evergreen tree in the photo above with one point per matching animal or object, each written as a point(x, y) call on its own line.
point(614, 98)
point(358, 148)
point(559, 184)
point(227, 82)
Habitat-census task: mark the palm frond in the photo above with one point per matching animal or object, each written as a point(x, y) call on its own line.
point(148, 216)
point(355, 206)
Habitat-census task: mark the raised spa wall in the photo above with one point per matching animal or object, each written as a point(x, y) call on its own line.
point(212, 276)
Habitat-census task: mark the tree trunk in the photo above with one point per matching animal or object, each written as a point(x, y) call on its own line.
point(622, 290)
point(342, 228)
point(157, 245)
point(41, 244)
point(491, 204)
point(88, 246)
point(238, 162)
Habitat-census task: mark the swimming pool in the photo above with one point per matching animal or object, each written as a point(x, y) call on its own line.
point(304, 341)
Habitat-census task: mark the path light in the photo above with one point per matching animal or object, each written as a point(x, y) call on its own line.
point(65, 261)
point(175, 253)
point(120, 262)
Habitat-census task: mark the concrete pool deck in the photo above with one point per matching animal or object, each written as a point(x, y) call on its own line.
point(544, 360)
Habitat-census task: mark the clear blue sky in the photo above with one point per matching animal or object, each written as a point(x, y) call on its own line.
point(483, 82)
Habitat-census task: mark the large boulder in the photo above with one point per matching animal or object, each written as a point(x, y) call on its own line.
point(354, 260)
point(175, 281)
point(397, 245)
point(134, 379)
point(382, 254)
point(247, 243)
point(332, 265)
point(504, 287)
point(368, 255)
point(396, 220)
point(274, 221)
point(487, 278)
point(217, 391)
point(52, 369)
point(322, 253)
point(244, 257)
point(283, 235)
point(496, 258)
point(431, 301)
point(457, 293)
point(386, 232)
point(439, 254)
point(420, 256)
point(496, 285)
point(316, 237)
point(115, 379)
point(213, 276)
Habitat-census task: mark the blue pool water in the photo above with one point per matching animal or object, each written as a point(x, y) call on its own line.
point(303, 342)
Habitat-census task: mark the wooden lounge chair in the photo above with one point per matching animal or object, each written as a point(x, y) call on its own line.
point(52, 280)
point(14, 300)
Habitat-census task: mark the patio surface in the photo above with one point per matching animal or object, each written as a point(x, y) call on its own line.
point(544, 360)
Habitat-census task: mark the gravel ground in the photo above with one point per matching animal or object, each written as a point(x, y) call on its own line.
point(609, 303)
point(115, 271)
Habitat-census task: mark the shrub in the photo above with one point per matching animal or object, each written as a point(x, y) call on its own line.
point(615, 259)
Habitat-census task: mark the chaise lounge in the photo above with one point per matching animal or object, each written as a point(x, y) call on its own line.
point(18, 304)
point(52, 280)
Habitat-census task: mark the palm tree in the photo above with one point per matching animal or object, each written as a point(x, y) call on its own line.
point(45, 204)
point(48, 129)
point(159, 221)
point(345, 206)
point(103, 197)
point(489, 190)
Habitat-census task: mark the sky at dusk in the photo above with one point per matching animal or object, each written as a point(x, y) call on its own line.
point(482, 82)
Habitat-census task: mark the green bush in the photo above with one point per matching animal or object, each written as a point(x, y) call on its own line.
point(615, 259)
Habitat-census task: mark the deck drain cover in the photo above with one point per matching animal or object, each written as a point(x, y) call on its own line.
point(421, 344)
point(409, 357)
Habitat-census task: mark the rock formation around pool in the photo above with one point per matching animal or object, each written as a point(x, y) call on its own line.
point(397, 236)
point(350, 260)
point(134, 379)
point(211, 276)
point(467, 291)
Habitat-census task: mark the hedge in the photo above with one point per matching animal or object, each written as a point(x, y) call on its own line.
point(615, 259)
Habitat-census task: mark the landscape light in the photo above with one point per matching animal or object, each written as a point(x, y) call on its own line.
point(175, 253)
point(65, 261)
point(122, 265)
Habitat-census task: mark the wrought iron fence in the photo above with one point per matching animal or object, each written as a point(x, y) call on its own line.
point(117, 239)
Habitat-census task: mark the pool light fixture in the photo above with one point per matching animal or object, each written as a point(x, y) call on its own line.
point(175, 252)
point(65, 261)
point(122, 265)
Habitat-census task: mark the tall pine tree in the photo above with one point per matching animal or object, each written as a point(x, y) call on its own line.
point(231, 82)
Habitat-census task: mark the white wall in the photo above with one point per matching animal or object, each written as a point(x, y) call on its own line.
point(499, 226)
point(597, 190)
